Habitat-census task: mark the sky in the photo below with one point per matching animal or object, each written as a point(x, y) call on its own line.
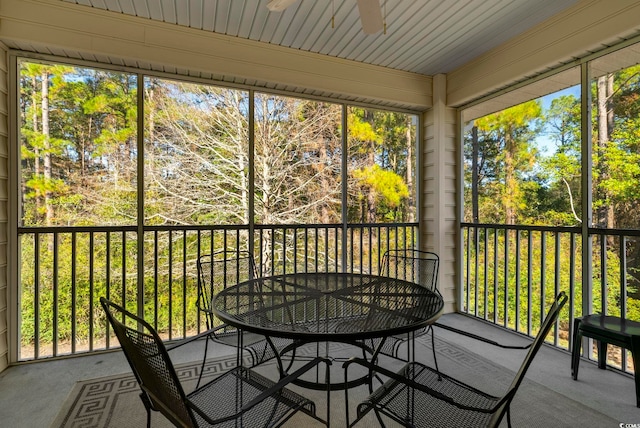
point(546, 145)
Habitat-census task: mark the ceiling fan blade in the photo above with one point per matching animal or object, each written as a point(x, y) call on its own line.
point(370, 16)
point(279, 5)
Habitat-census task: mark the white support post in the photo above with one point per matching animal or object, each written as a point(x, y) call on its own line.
point(438, 218)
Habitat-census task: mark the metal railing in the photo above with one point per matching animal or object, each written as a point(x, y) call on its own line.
point(512, 273)
point(65, 270)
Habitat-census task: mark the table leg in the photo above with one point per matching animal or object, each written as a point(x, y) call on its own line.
point(240, 348)
point(374, 359)
point(281, 369)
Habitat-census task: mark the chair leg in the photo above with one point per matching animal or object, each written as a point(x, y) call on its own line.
point(147, 406)
point(635, 355)
point(575, 350)
point(602, 355)
point(204, 360)
point(380, 420)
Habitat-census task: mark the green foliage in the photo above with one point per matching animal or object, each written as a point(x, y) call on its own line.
point(83, 171)
point(507, 161)
point(518, 184)
point(361, 130)
point(389, 189)
point(623, 173)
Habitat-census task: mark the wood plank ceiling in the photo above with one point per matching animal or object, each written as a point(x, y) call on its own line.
point(427, 37)
point(422, 36)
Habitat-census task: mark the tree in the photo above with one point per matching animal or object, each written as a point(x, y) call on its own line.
point(560, 197)
point(297, 161)
point(41, 143)
point(377, 141)
point(386, 187)
point(508, 137)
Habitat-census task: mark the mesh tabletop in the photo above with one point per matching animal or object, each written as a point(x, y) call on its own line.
point(323, 306)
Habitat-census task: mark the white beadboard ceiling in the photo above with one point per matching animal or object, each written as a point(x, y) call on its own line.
point(422, 36)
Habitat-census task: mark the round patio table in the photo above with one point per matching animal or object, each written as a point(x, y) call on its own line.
point(328, 307)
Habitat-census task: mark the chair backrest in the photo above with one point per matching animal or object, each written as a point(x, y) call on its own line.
point(412, 265)
point(150, 364)
point(549, 321)
point(219, 271)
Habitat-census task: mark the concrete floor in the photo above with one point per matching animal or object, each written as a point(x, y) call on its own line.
point(32, 394)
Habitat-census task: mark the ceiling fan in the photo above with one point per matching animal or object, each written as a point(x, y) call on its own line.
point(370, 13)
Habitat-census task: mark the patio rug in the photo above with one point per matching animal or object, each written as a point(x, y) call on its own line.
point(114, 402)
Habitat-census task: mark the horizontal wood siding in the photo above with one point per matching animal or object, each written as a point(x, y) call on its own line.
point(90, 31)
point(438, 221)
point(4, 177)
point(586, 27)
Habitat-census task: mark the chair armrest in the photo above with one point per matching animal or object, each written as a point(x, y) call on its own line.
point(182, 342)
point(480, 338)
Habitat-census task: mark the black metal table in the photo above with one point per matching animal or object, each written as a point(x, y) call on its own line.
point(328, 307)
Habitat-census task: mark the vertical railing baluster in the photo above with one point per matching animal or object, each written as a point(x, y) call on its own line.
point(529, 282)
point(495, 276)
point(405, 242)
point(351, 249)
point(294, 230)
point(380, 249)
point(107, 280)
point(623, 275)
point(284, 250)
point(388, 236)
point(506, 277)
point(91, 296)
point(516, 325)
point(472, 233)
point(572, 283)
point(623, 289)
point(36, 297)
point(370, 270)
point(396, 243)
point(361, 255)
point(184, 283)
point(56, 294)
point(156, 255)
point(603, 275)
point(471, 274)
point(124, 269)
point(485, 258)
point(306, 249)
point(170, 281)
point(316, 242)
point(261, 257)
point(557, 285)
point(74, 300)
point(543, 279)
point(271, 240)
point(336, 238)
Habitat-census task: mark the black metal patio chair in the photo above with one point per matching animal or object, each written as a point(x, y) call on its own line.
point(420, 267)
point(419, 396)
point(216, 272)
point(237, 398)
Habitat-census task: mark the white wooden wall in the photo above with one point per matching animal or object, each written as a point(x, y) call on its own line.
point(4, 176)
point(438, 223)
